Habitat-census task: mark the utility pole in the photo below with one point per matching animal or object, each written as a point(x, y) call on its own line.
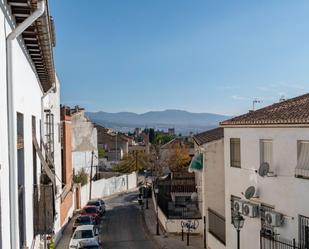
point(116, 147)
point(90, 186)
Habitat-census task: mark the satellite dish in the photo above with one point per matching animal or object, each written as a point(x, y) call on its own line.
point(250, 192)
point(264, 169)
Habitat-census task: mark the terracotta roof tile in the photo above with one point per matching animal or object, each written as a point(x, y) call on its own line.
point(209, 136)
point(294, 111)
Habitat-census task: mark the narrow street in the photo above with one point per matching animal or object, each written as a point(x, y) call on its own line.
point(123, 226)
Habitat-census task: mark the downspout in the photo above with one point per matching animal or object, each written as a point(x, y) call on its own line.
point(11, 112)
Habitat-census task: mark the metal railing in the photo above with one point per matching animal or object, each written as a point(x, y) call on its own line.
point(216, 224)
point(274, 242)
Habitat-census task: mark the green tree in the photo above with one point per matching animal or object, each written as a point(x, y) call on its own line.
point(101, 152)
point(163, 138)
point(133, 161)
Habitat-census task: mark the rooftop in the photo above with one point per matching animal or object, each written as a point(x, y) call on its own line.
point(293, 111)
point(209, 136)
point(39, 39)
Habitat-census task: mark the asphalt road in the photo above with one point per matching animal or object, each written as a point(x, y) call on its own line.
point(123, 226)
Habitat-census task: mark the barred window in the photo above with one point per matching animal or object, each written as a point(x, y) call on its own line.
point(266, 152)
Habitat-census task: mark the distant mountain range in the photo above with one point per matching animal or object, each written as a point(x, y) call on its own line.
point(183, 121)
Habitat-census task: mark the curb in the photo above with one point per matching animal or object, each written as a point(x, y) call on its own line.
point(148, 233)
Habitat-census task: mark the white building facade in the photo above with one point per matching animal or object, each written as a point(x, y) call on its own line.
point(25, 78)
point(269, 150)
point(211, 186)
point(84, 141)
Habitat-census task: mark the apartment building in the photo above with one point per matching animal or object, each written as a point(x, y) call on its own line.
point(208, 166)
point(266, 176)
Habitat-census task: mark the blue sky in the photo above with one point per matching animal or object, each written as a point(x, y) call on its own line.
point(196, 55)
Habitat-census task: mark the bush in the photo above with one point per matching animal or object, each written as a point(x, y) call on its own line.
point(81, 177)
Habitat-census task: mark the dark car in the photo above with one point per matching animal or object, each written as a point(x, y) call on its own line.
point(98, 204)
point(93, 212)
point(82, 220)
point(89, 244)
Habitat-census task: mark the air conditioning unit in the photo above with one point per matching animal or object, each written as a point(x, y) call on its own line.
point(237, 206)
point(250, 210)
point(273, 219)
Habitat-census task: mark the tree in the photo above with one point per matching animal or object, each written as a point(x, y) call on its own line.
point(101, 152)
point(179, 157)
point(133, 161)
point(163, 138)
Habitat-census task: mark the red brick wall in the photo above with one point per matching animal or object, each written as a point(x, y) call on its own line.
point(66, 204)
point(67, 172)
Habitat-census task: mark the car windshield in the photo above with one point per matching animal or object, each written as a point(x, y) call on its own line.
point(90, 247)
point(83, 234)
point(94, 203)
point(90, 210)
point(84, 220)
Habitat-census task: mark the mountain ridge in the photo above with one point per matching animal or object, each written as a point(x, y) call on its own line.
point(182, 121)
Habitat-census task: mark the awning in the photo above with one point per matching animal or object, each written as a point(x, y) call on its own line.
point(196, 163)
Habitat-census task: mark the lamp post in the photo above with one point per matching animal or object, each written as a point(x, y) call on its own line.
point(156, 190)
point(238, 222)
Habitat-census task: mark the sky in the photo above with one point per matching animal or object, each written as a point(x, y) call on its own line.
point(197, 55)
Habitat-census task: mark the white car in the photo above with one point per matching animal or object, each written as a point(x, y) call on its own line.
point(82, 233)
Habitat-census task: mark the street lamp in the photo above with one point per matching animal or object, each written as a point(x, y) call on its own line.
point(238, 222)
point(156, 190)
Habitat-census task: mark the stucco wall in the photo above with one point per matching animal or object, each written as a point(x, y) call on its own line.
point(106, 187)
point(84, 141)
point(27, 97)
point(211, 184)
point(285, 192)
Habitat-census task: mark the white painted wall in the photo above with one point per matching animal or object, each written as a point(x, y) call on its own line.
point(285, 192)
point(110, 186)
point(84, 141)
point(27, 99)
point(211, 186)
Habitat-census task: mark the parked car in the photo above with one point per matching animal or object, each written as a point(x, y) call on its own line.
point(93, 212)
point(89, 244)
point(82, 220)
point(98, 204)
point(84, 232)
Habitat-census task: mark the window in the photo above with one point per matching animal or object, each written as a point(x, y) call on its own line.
point(216, 224)
point(235, 152)
point(266, 152)
point(303, 230)
point(302, 168)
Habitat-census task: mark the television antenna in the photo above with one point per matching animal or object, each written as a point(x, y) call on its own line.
point(254, 102)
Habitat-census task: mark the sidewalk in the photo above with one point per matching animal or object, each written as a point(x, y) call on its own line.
point(168, 241)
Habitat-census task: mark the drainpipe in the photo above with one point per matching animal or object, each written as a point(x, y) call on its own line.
point(11, 112)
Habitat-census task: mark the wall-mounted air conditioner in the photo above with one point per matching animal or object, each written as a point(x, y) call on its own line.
point(274, 219)
point(237, 206)
point(250, 210)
